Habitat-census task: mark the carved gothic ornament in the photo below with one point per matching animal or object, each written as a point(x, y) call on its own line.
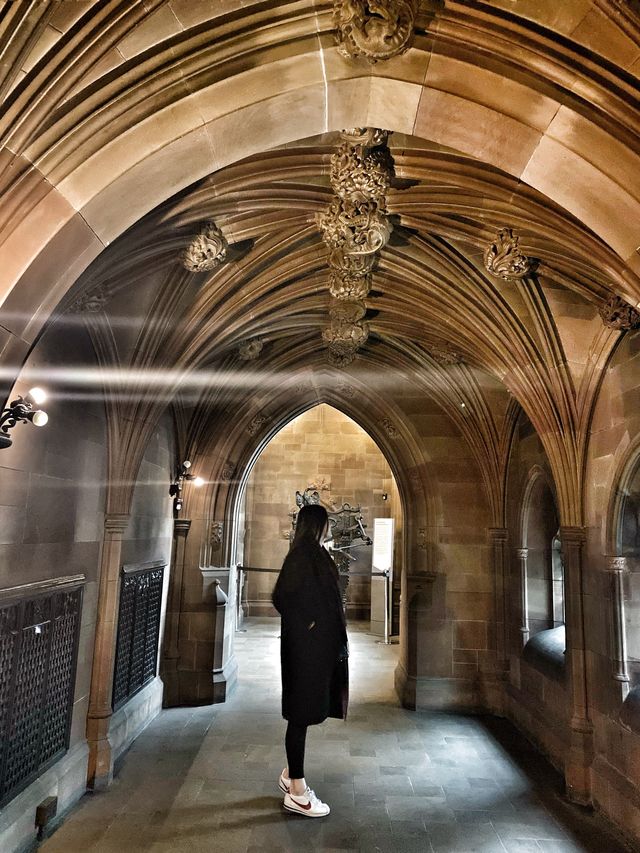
point(347, 390)
point(389, 428)
point(618, 314)
point(368, 137)
point(206, 251)
point(92, 302)
point(359, 175)
point(347, 312)
point(228, 471)
point(350, 276)
point(343, 339)
point(356, 229)
point(505, 259)
point(250, 350)
point(257, 422)
point(445, 355)
point(374, 29)
point(216, 532)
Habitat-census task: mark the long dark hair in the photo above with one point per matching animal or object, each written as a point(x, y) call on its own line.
point(310, 524)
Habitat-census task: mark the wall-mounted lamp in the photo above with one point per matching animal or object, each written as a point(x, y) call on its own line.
point(175, 489)
point(22, 409)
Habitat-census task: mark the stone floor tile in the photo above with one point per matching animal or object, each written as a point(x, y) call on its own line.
point(205, 779)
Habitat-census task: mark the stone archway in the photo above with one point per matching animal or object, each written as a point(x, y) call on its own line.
point(327, 451)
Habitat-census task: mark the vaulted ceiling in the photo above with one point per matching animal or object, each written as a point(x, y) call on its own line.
point(128, 126)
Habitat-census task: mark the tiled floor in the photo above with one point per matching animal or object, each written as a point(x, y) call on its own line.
point(204, 779)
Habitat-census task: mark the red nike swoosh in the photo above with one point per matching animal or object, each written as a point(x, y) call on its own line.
point(302, 805)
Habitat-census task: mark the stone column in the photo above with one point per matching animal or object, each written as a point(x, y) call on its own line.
point(498, 541)
point(171, 653)
point(100, 772)
point(578, 765)
point(522, 554)
point(619, 569)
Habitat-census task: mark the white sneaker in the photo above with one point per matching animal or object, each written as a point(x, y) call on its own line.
point(284, 783)
point(307, 804)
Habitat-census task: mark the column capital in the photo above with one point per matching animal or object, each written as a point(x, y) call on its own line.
point(116, 522)
point(570, 535)
point(498, 534)
point(181, 526)
point(522, 553)
point(617, 564)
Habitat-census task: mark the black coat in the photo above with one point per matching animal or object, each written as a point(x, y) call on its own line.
point(313, 646)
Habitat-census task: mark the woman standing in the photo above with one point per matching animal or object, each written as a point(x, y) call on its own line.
point(313, 650)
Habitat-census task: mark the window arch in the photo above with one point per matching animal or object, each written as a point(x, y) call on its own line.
point(544, 575)
point(628, 532)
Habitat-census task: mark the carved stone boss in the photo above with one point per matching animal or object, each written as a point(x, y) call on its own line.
point(206, 251)
point(374, 29)
point(505, 259)
point(355, 227)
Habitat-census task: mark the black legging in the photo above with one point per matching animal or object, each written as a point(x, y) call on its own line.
point(294, 742)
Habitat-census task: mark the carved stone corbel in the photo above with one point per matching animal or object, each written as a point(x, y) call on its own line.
point(618, 314)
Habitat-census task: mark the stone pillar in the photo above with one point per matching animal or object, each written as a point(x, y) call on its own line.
point(578, 765)
point(522, 554)
point(100, 771)
point(498, 541)
point(619, 569)
point(171, 653)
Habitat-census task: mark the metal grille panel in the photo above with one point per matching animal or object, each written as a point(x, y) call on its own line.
point(38, 653)
point(138, 629)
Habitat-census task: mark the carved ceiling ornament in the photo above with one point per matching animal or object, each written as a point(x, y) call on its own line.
point(250, 350)
point(443, 354)
point(359, 176)
point(369, 137)
point(374, 29)
point(505, 259)
point(206, 251)
point(92, 302)
point(618, 314)
point(355, 227)
point(343, 338)
point(350, 276)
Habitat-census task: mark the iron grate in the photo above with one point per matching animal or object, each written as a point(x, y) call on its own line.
point(38, 654)
point(138, 630)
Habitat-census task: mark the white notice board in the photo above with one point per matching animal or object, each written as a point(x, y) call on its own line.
point(382, 560)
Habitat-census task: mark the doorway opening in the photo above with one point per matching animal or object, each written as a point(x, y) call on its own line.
point(326, 452)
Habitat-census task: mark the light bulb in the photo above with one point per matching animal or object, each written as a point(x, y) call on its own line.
point(198, 482)
point(39, 418)
point(186, 464)
point(38, 395)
